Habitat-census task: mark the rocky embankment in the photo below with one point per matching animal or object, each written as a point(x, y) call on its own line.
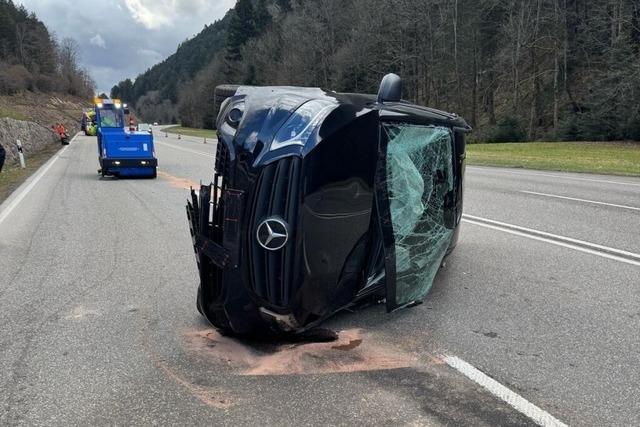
point(34, 137)
point(29, 116)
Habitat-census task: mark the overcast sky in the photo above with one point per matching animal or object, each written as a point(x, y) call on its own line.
point(122, 38)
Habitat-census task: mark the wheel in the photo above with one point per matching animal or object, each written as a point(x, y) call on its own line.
point(154, 175)
point(215, 315)
point(198, 301)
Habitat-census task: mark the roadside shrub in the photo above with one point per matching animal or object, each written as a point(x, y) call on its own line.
point(45, 83)
point(508, 129)
point(15, 79)
point(568, 129)
point(591, 127)
point(632, 129)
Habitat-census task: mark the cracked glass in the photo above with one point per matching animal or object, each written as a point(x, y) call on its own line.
point(419, 180)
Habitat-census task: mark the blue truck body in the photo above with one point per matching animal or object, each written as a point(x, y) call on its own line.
point(122, 153)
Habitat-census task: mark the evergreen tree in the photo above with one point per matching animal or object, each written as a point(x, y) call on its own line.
point(261, 17)
point(241, 28)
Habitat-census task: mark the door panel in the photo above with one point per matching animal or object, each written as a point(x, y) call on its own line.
point(415, 184)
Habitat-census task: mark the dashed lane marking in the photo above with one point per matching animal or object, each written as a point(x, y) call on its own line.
point(164, 144)
point(581, 200)
point(551, 175)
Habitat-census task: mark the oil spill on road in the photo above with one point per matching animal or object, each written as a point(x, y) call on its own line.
point(177, 182)
point(353, 351)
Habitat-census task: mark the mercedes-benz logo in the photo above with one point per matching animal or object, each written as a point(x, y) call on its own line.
point(272, 234)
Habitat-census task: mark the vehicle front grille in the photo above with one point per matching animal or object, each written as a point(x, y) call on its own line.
point(223, 163)
point(205, 212)
point(276, 195)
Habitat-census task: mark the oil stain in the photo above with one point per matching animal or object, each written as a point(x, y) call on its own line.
point(490, 334)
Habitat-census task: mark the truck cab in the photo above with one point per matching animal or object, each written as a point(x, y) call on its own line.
point(122, 153)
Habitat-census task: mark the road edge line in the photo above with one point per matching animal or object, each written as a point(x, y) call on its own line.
point(22, 191)
point(554, 238)
point(513, 399)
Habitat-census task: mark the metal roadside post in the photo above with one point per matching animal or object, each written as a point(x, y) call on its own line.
point(21, 154)
point(205, 139)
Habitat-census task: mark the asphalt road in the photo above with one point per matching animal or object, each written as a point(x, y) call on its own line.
point(99, 326)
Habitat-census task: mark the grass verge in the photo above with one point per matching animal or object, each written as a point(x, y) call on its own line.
point(5, 112)
point(612, 158)
point(200, 133)
point(12, 175)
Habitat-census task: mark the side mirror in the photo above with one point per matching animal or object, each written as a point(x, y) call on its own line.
point(390, 89)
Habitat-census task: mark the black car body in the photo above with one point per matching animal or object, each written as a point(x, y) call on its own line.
point(321, 199)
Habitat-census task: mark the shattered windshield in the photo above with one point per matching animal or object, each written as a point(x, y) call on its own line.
point(419, 179)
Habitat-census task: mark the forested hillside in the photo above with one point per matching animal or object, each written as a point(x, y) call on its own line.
point(32, 59)
point(155, 93)
point(516, 70)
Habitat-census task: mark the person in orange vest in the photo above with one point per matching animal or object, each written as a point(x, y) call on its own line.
point(61, 131)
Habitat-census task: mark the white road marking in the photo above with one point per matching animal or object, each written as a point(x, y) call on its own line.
point(565, 242)
point(511, 172)
point(519, 403)
point(185, 149)
point(42, 171)
point(581, 200)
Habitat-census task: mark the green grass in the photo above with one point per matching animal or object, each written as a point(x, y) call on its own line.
point(4, 112)
point(614, 158)
point(12, 175)
point(200, 133)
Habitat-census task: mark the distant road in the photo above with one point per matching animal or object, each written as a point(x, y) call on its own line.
point(97, 307)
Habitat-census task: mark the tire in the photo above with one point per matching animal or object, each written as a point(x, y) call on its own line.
point(154, 175)
point(215, 315)
point(221, 93)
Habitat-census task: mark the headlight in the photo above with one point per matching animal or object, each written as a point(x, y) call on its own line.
point(303, 122)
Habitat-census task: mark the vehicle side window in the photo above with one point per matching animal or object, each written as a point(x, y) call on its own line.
point(419, 182)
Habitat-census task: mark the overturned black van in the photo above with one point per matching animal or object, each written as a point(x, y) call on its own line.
point(322, 199)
